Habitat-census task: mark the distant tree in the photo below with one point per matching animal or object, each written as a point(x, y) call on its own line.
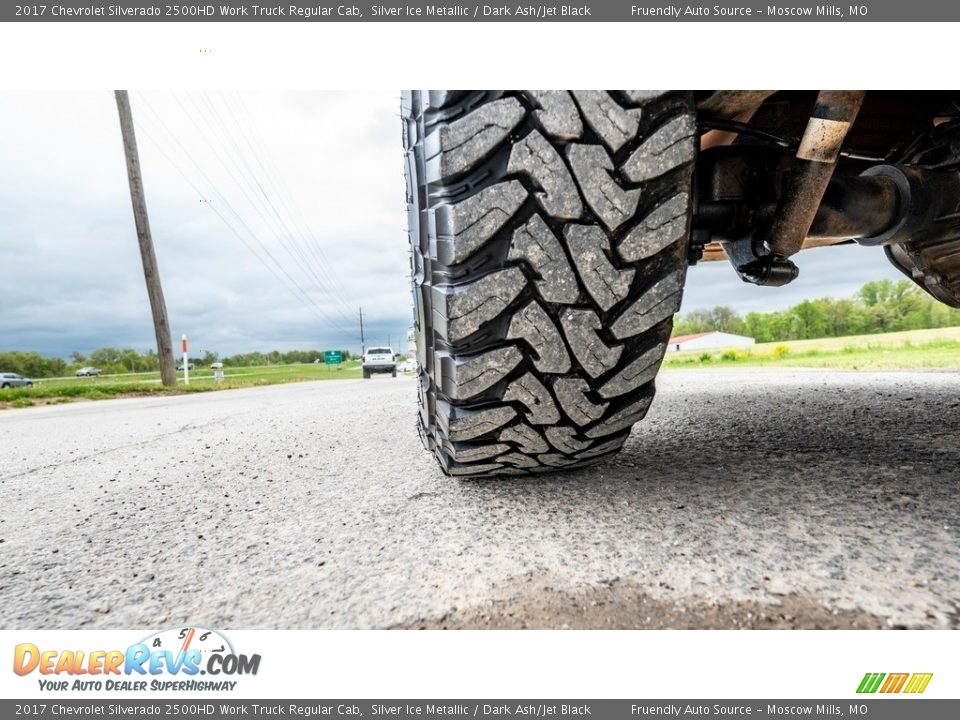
point(131, 360)
point(808, 320)
point(106, 356)
point(875, 292)
point(878, 306)
point(151, 361)
point(724, 319)
point(695, 321)
point(31, 364)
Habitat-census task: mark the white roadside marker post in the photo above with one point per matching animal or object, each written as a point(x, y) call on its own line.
point(186, 361)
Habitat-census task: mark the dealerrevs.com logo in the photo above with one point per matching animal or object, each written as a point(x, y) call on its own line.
point(169, 660)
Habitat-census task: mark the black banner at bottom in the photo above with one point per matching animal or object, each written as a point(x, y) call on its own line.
point(915, 708)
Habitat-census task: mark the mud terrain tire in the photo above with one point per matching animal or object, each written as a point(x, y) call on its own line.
point(549, 236)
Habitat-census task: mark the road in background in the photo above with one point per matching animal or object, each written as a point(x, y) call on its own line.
point(749, 498)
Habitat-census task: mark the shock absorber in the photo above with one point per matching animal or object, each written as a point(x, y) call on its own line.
point(815, 161)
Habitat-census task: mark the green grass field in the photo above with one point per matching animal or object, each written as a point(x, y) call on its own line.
point(56, 390)
point(937, 349)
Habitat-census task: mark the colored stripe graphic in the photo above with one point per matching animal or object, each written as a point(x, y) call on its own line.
point(870, 682)
point(918, 683)
point(894, 683)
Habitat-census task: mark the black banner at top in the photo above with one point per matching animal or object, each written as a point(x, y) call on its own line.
point(468, 11)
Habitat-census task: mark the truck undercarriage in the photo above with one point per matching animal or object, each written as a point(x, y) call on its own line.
point(551, 231)
point(779, 172)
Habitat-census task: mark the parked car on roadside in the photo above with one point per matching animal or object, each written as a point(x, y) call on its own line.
point(88, 372)
point(408, 365)
point(180, 367)
point(12, 380)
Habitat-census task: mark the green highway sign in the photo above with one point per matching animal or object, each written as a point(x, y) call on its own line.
point(332, 357)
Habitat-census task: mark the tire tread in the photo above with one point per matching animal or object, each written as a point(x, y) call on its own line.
point(549, 236)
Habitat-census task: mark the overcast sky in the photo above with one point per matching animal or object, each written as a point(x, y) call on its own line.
point(331, 166)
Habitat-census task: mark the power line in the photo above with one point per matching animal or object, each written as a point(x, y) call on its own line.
point(323, 265)
point(317, 245)
point(279, 182)
point(286, 244)
point(240, 185)
point(293, 287)
point(276, 179)
point(255, 187)
point(286, 237)
point(257, 190)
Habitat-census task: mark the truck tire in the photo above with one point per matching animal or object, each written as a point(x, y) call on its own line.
point(549, 235)
point(366, 375)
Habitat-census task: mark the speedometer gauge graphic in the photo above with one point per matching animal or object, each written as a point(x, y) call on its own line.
point(182, 639)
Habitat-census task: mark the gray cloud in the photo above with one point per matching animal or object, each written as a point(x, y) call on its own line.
point(67, 243)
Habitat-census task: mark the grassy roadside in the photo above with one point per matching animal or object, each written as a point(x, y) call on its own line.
point(937, 349)
point(63, 390)
point(912, 350)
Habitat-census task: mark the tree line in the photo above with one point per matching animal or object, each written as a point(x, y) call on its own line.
point(112, 360)
point(879, 306)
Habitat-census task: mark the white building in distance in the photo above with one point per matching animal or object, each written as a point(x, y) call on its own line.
point(708, 341)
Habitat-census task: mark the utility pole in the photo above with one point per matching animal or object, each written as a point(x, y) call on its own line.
point(363, 348)
point(161, 326)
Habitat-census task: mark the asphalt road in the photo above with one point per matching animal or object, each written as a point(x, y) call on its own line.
point(749, 499)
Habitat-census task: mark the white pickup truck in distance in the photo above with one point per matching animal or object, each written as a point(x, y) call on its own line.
point(379, 360)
